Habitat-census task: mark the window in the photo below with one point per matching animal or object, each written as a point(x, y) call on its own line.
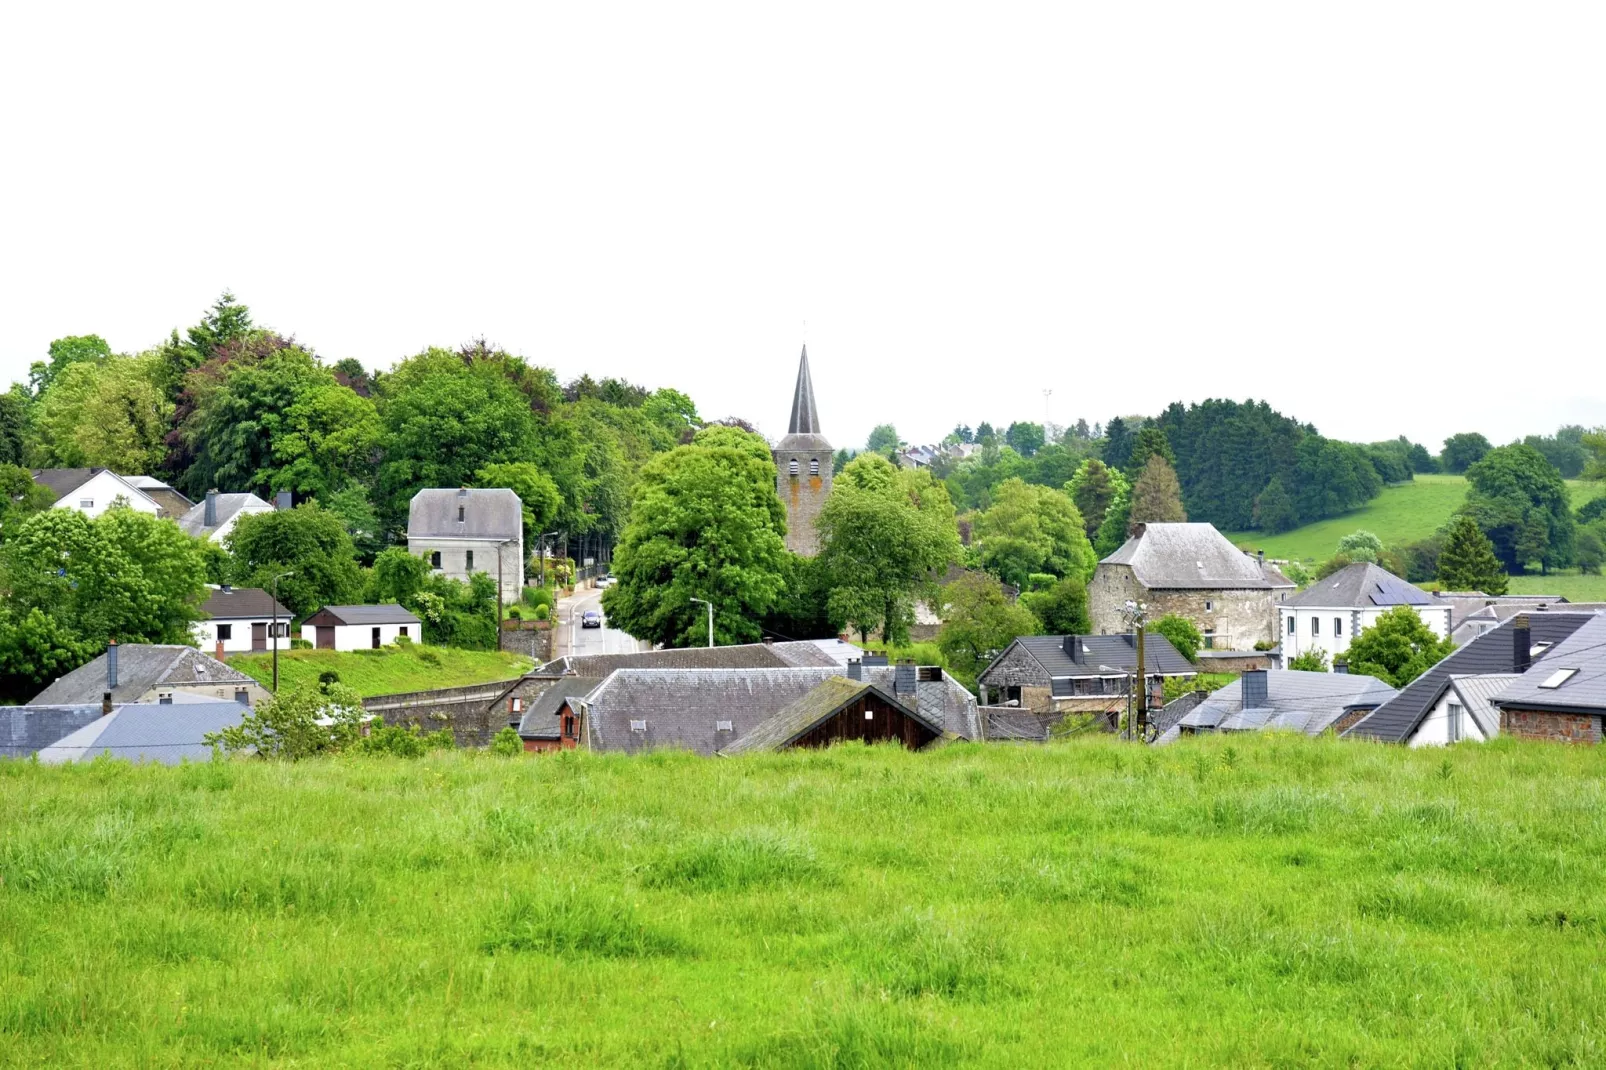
point(376, 639)
point(225, 632)
point(723, 726)
point(1316, 626)
point(1455, 723)
point(1557, 678)
point(792, 467)
point(435, 559)
point(638, 726)
point(1209, 639)
point(568, 726)
point(242, 696)
point(164, 698)
point(1290, 624)
point(459, 514)
point(402, 631)
point(283, 629)
point(1210, 607)
point(468, 560)
point(86, 503)
point(1338, 627)
point(814, 468)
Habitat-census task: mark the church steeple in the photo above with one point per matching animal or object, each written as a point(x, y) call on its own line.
point(804, 419)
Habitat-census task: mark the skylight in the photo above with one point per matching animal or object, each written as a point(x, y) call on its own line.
point(1559, 677)
point(1539, 648)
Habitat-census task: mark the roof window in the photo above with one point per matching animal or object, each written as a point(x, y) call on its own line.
point(638, 726)
point(723, 726)
point(1557, 678)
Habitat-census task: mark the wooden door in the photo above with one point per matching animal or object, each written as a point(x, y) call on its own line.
point(259, 637)
point(326, 637)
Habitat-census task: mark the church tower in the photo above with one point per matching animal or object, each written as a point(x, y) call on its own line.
point(803, 467)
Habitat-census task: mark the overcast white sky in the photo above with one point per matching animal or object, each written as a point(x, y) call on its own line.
point(1383, 218)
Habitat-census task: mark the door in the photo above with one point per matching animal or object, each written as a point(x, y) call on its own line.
point(259, 637)
point(376, 639)
point(326, 637)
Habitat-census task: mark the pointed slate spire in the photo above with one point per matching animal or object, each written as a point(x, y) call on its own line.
point(804, 419)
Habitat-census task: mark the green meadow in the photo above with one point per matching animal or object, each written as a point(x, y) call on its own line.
point(388, 671)
point(1263, 901)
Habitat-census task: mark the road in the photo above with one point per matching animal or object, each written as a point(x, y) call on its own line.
point(573, 639)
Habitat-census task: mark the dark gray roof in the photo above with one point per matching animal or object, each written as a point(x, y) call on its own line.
point(1192, 556)
point(741, 656)
point(1065, 657)
point(1362, 585)
point(148, 732)
point(1464, 604)
point(1583, 690)
point(822, 702)
point(140, 667)
point(242, 603)
point(388, 613)
point(540, 720)
point(809, 653)
point(488, 513)
point(194, 521)
point(803, 431)
point(1306, 702)
point(63, 481)
point(25, 730)
point(172, 504)
point(1396, 720)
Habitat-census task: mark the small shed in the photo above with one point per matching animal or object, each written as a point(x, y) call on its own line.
point(835, 710)
point(361, 627)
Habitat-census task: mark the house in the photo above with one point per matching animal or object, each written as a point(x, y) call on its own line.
point(1512, 647)
point(362, 627)
point(26, 730)
point(149, 672)
point(552, 720)
point(461, 532)
point(801, 654)
point(167, 733)
point(1066, 673)
point(1564, 698)
point(92, 491)
point(1192, 571)
point(215, 516)
point(170, 503)
point(1473, 613)
point(1308, 702)
point(241, 619)
point(1331, 612)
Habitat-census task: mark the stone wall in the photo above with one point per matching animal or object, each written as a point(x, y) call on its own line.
point(1234, 660)
point(474, 714)
point(523, 637)
point(803, 495)
point(1554, 727)
point(1239, 618)
point(1015, 667)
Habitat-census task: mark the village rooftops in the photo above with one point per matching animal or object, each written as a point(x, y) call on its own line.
point(1477, 693)
point(1570, 679)
point(1073, 656)
point(242, 603)
point(825, 700)
point(1360, 586)
point(1193, 556)
point(1308, 702)
point(141, 667)
point(389, 613)
point(801, 654)
point(148, 732)
point(225, 507)
point(540, 720)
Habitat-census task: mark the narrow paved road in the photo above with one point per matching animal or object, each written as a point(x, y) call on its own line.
point(573, 639)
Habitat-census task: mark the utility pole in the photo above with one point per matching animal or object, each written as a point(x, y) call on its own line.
point(1134, 613)
point(274, 627)
point(710, 606)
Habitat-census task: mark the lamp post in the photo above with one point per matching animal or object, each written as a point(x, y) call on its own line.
point(274, 594)
point(710, 606)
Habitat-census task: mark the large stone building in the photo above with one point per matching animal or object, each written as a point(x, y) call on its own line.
point(1192, 571)
point(803, 467)
point(461, 532)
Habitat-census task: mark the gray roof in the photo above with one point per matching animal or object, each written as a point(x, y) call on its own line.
point(140, 667)
point(1584, 690)
point(494, 513)
point(540, 720)
point(1068, 656)
point(25, 730)
point(63, 481)
point(1476, 692)
point(798, 655)
point(149, 732)
point(171, 502)
point(803, 431)
point(819, 705)
point(1192, 557)
point(1396, 720)
point(242, 603)
point(1306, 702)
point(804, 653)
point(194, 521)
point(1362, 585)
point(388, 613)
point(1464, 604)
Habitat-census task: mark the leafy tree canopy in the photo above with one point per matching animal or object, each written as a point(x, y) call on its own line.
point(1466, 561)
point(1025, 438)
point(1463, 451)
point(1523, 505)
point(978, 623)
point(1181, 632)
point(1397, 648)
point(883, 439)
point(1061, 609)
point(1031, 529)
point(1156, 496)
point(307, 541)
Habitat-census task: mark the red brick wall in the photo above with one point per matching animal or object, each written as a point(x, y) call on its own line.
point(1556, 727)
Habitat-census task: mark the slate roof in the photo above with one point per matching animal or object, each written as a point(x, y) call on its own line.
point(1088, 652)
point(140, 667)
point(169, 501)
point(540, 720)
point(821, 703)
point(1307, 702)
point(1583, 691)
point(803, 653)
point(25, 730)
point(740, 656)
point(1464, 604)
point(488, 513)
point(1476, 691)
point(63, 481)
point(1362, 585)
point(194, 521)
point(149, 732)
point(1396, 720)
point(1192, 557)
point(803, 430)
point(389, 613)
point(242, 603)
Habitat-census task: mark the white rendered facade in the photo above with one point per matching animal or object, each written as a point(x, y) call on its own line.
point(1302, 629)
point(100, 491)
point(362, 636)
point(236, 634)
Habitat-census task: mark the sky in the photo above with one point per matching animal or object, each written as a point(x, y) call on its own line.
point(1382, 218)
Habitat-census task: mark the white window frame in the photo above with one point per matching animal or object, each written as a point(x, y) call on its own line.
point(1457, 729)
point(1315, 627)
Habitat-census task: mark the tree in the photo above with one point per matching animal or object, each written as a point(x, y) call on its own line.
point(1151, 441)
point(1113, 532)
point(1312, 660)
point(1467, 560)
point(883, 440)
point(1463, 451)
point(1062, 608)
point(1025, 438)
point(1397, 648)
point(1523, 505)
point(1156, 496)
point(14, 412)
point(884, 533)
point(1031, 529)
point(65, 353)
point(706, 524)
point(1274, 508)
point(1118, 444)
point(1093, 488)
point(106, 413)
point(296, 724)
point(1181, 632)
point(538, 494)
point(978, 623)
point(20, 498)
point(357, 515)
point(308, 541)
point(35, 649)
point(985, 434)
point(1361, 545)
point(1590, 549)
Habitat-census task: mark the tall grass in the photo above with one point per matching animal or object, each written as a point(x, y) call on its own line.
point(1253, 901)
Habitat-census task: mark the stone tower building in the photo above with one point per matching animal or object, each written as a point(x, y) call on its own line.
point(803, 467)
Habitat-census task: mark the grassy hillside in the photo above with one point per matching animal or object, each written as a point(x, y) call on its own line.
point(387, 671)
point(1570, 585)
point(1260, 901)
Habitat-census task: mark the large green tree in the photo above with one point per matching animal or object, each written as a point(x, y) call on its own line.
point(105, 413)
point(1397, 648)
point(307, 541)
point(1463, 451)
point(1093, 488)
point(978, 623)
point(1062, 608)
point(1156, 495)
point(1523, 505)
point(1466, 559)
point(1031, 529)
point(883, 439)
point(65, 353)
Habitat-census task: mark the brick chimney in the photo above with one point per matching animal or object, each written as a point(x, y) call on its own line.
point(105, 703)
point(219, 653)
point(1521, 644)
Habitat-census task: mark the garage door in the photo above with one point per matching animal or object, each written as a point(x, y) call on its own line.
point(326, 637)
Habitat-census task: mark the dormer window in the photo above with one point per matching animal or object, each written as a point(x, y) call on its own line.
point(792, 467)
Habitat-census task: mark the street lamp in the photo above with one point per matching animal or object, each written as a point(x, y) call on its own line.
point(710, 606)
point(275, 596)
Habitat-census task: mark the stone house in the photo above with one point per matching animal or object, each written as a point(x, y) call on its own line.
point(1192, 571)
point(1564, 698)
point(1331, 612)
point(1056, 674)
point(461, 532)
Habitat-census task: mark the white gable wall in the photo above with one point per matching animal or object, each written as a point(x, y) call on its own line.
point(239, 640)
point(97, 495)
point(1434, 731)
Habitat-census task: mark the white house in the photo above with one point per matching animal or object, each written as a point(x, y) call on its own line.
point(241, 619)
point(361, 627)
point(92, 491)
point(1332, 611)
point(214, 517)
point(1463, 712)
point(461, 532)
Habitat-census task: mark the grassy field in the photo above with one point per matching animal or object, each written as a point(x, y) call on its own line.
point(1264, 901)
point(387, 671)
point(1570, 585)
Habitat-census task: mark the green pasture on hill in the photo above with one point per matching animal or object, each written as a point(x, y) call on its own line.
point(386, 671)
point(1262, 901)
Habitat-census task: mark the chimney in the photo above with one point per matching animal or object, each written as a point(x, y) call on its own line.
point(1341, 667)
point(1138, 530)
point(1156, 692)
point(855, 669)
point(226, 588)
point(769, 640)
point(219, 654)
point(1253, 689)
point(875, 659)
point(1521, 644)
point(211, 508)
point(105, 703)
point(284, 500)
point(903, 677)
point(111, 665)
point(1261, 554)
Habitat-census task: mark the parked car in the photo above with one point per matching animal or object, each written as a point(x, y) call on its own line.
point(606, 581)
point(591, 618)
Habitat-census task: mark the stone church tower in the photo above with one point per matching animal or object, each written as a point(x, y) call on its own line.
point(803, 467)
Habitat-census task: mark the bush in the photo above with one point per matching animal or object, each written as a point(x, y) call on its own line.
point(327, 677)
point(535, 597)
point(301, 644)
point(507, 743)
point(1309, 661)
point(543, 612)
point(1183, 635)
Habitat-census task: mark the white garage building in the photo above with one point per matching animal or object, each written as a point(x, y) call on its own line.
point(361, 627)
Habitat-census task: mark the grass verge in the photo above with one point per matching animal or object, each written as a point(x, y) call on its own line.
point(385, 671)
